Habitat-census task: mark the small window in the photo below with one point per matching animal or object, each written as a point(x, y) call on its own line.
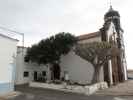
point(26, 74)
point(44, 73)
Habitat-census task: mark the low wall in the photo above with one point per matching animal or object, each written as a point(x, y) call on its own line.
point(90, 89)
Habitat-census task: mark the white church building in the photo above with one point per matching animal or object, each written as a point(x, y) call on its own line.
point(78, 69)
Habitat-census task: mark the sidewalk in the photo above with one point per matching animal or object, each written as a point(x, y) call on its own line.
point(122, 89)
point(9, 95)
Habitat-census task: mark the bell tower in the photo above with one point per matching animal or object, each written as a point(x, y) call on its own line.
point(112, 31)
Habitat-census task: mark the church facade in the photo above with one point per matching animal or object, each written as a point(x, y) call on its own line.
point(113, 33)
point(115, 70)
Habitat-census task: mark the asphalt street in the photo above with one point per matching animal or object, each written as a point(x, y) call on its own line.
point(28, 93)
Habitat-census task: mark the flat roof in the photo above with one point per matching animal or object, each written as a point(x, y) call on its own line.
point(7, 37)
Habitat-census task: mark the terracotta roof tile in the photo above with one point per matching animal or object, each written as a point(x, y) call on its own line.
point(88, 35)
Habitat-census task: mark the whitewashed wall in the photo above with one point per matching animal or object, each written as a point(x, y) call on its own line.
point(7, 66)
point(21, 67)
point(79, 70)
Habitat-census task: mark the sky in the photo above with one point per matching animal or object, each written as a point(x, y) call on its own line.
point(38, 19)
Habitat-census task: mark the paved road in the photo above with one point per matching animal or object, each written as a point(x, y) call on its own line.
point(125, 88)
point(47, 94)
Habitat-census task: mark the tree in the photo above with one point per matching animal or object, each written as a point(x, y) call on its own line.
point(49, 50)
point(97, 53)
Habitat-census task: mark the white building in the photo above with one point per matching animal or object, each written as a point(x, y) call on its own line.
point(7, 63)
point(25, 71)
point(78, 69)
point(74, 67)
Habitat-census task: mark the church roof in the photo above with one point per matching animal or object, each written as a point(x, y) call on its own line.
point(88, 36)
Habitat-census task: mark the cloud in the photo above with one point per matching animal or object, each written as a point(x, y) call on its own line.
point(42, 18)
